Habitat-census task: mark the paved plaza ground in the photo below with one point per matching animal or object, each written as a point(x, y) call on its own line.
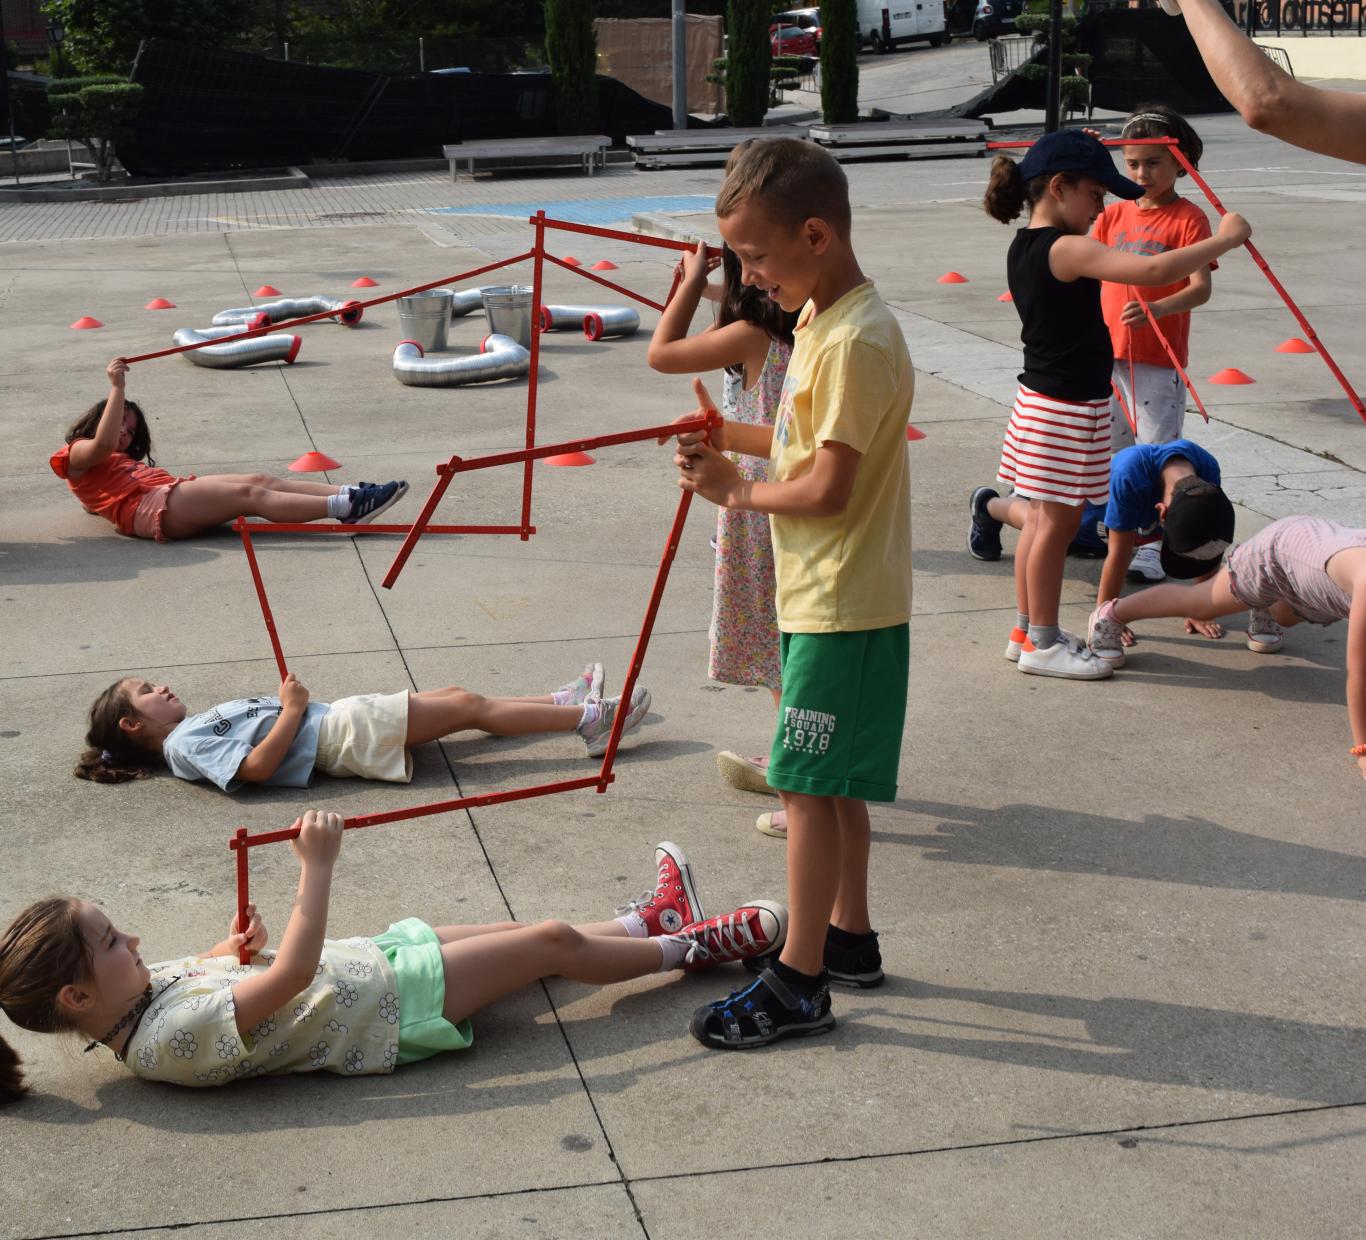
point(1122, 922)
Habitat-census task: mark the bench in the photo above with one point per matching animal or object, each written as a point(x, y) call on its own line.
point(694, 148)
point(891, 139)
point(588, 150)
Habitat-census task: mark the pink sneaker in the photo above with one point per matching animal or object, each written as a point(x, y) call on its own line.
point(673, 904)
point(754, 929)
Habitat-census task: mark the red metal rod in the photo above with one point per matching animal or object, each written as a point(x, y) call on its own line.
point(1024, 146)
point(709, 422)
point(242, 527)
point(533, 391)
point(662, 243)
point(1171, 353)
point(419, 526)
point(299, 527)
point(240, 845)
point(638, 655)
point(245, 841)
point(1124, 405)
point(1278, 286)
point(289, 324)
point(616, 288)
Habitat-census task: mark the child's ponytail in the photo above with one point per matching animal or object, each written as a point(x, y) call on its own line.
point(112, 758)
point(1006, 191)
point(42, 950)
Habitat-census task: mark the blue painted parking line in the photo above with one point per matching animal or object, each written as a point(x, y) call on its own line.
point(600, 211)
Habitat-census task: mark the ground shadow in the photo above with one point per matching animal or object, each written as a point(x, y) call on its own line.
point(89, 560)
point(1191, 851)
point(1141, 1040)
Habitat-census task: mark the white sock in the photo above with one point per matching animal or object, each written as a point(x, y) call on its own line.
point(347, 489)
point(592, 711)
point(673, 948)
point(563, 697)
point(635, 925)
point(339, 505)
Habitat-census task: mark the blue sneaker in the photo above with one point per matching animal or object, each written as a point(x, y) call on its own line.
point(766, 1011)
point(984, 534)
point(369, 501)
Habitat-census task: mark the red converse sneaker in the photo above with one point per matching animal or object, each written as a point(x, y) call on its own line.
point(754, 929)
point(673, 904)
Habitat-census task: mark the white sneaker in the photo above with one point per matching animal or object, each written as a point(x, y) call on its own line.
point(1146, 566)
point(1172, 8)
point(1067, 658)
point(1264, 635)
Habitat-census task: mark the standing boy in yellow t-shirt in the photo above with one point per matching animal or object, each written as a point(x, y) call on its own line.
point(839, 501)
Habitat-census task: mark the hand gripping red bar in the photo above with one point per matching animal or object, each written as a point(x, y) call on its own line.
point(1257, 258)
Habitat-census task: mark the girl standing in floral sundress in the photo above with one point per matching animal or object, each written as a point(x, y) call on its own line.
point(752, 340)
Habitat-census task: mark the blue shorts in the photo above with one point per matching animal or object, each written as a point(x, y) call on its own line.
point(842, 713)
point(414, 954)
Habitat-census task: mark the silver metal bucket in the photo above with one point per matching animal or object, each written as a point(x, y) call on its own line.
point(508, 310)
point(425, 317)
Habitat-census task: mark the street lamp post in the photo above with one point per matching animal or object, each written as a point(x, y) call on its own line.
point(9, 106)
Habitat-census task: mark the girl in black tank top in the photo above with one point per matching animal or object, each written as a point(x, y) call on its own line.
point(1056, 452)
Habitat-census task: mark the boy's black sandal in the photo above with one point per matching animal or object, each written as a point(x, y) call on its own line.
point(765, 1011)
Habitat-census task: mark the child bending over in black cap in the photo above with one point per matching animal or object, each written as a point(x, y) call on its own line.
point(1165, 495)
point(1298, 568)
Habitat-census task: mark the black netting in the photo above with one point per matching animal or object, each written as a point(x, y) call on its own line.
point(212, 111)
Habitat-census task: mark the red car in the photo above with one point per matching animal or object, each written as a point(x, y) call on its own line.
point(793, 41)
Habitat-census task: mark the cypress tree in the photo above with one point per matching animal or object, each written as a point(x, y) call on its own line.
point(571, 49)
point(839, 61)
point(747, 62)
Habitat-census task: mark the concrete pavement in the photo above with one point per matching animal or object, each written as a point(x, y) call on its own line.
point(1122, 922)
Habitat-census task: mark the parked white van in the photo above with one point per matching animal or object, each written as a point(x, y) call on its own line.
point(882, 24)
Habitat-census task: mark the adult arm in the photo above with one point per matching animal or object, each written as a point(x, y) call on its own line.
point(301, 947)
point(1331, 122)
point(265, 758)
point(85, 454)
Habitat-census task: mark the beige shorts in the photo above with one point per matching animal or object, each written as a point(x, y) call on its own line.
point(364, 736)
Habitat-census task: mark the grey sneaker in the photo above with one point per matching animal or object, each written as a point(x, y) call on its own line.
point(1146, 566)
point(1105, 635)
point(1264, 635)
point(588, 687)
point(597, 731)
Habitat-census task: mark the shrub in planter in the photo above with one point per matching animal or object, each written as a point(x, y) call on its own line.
point(571, 50)
point(95, 111)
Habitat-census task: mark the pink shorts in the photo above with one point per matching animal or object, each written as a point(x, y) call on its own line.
point(150, 514)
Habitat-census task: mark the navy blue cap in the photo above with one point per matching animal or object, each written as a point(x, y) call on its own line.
point(1071, 150)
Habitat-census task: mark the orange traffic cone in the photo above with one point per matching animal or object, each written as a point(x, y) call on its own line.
point(1294, 345)
point(1231, 374)
point(952, 277)
point(267, 290)
point(364, 282)
point(313, 463)
point(604, 264)
point(159, 303)
point(913, 433)
point(570, 458)
point(85, 322)
point(1006, 296)
point(570, 261)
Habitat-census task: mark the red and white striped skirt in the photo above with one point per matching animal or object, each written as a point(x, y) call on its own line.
point(1057, 450)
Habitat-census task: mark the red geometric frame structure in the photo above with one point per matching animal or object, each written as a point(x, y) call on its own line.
point(1319, 347)
point(242, 842)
